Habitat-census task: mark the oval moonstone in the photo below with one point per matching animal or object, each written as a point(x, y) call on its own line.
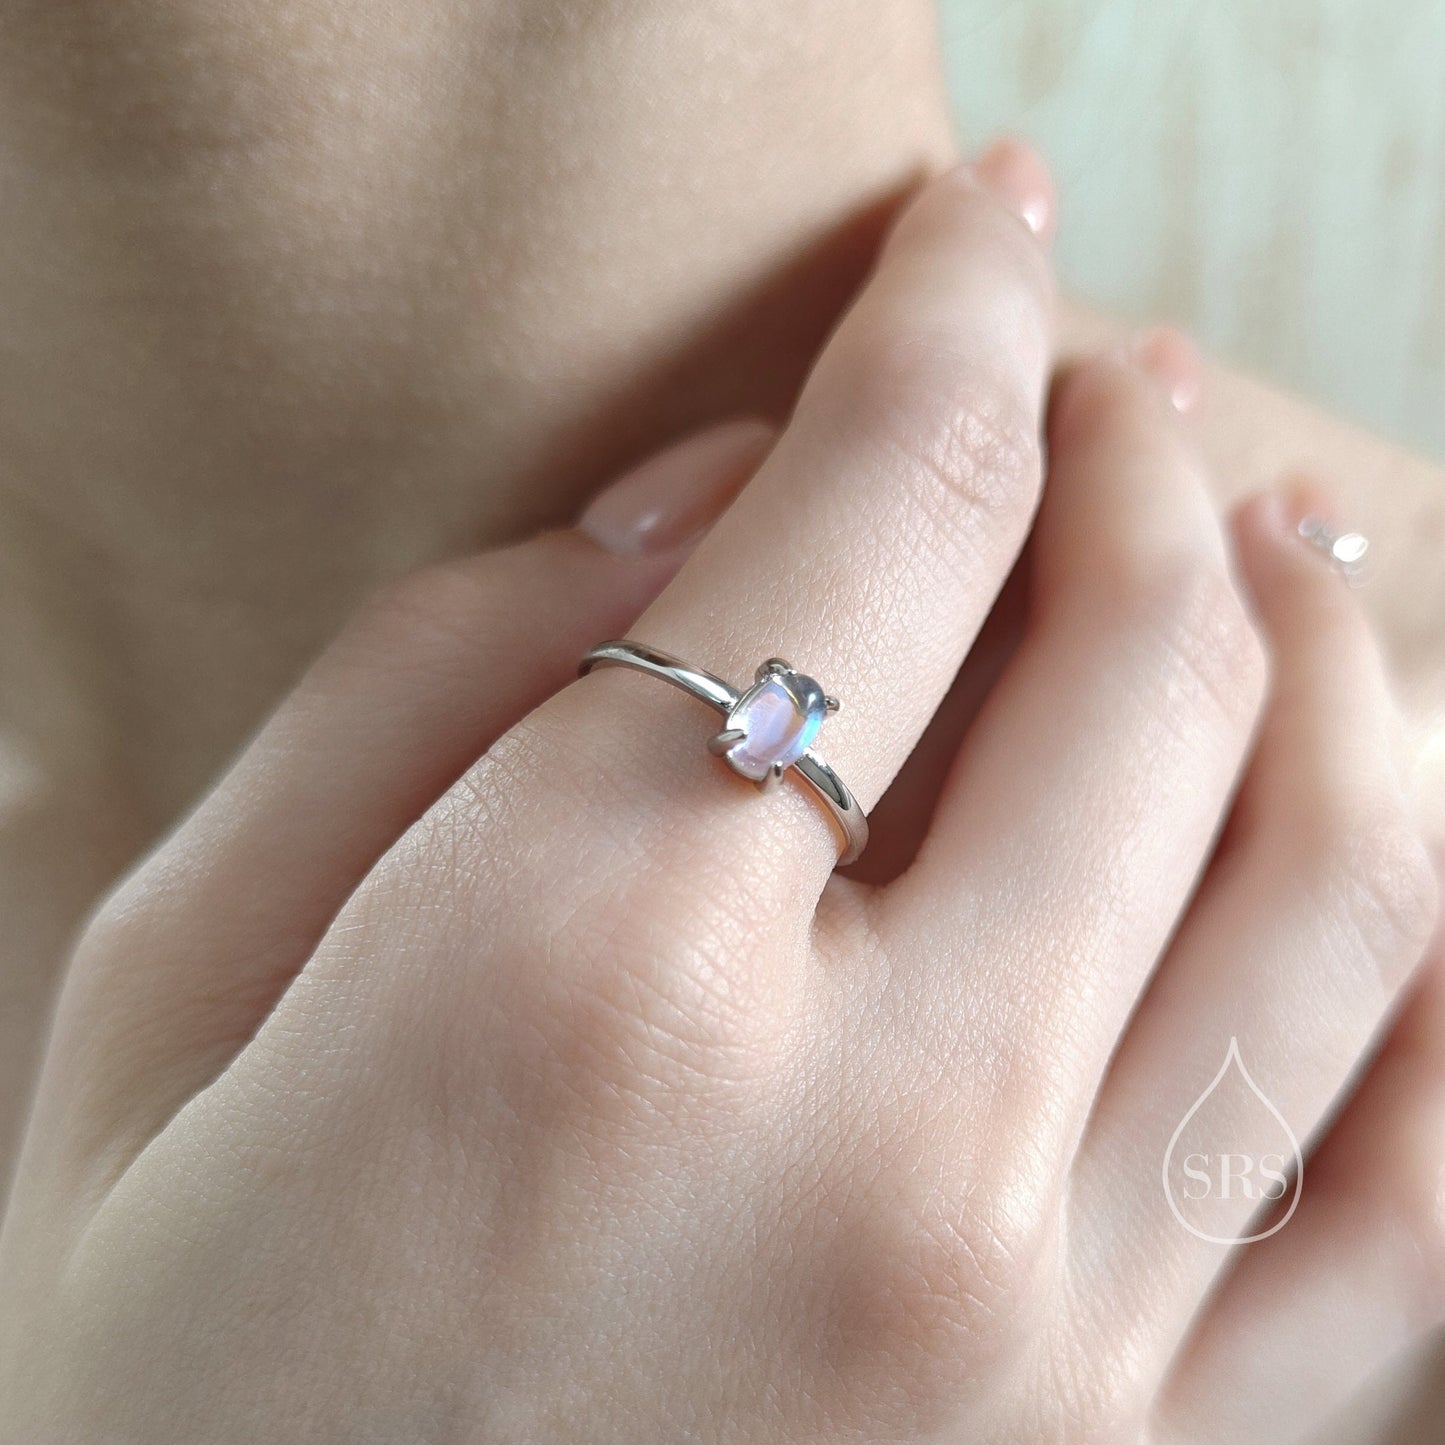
point(781, 716)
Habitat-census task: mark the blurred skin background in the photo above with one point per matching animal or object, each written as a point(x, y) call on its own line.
point(299, 294)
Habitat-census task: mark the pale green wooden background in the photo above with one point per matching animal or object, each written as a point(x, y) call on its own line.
point(1270, 173)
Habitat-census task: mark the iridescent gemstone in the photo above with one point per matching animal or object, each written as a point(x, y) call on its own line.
point(780, 715)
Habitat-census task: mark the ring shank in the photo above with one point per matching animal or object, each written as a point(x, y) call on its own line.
point(842, 807)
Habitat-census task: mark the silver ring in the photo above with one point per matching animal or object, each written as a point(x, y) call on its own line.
point(785, 709)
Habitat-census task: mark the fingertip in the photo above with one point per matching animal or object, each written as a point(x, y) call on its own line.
point(1294, 532)
point(1304, 497)
point(1159, 360)
point(667, 501)
point(1135, 376)
point(1016, 175)
point(1173, 361)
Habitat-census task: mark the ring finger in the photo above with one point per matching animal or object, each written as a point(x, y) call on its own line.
point(868, 549)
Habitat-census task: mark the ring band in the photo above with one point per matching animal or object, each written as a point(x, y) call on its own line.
point(769, 726)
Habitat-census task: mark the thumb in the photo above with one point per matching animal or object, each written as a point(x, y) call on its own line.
point(181, 965)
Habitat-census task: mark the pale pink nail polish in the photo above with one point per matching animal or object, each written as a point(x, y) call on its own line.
point(1302, 513)
point(1020, 179)
point(1346, 552)
point(1173, 360)
point(1309, 514)
point(1301, 496)
point(670, 498)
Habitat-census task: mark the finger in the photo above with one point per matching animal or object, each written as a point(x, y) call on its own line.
point(905, 812)
point(1315, 910)
point(190, 953)
point(1307, 1318)
point(867, 549)
point(1091, 785)
point(900, 822)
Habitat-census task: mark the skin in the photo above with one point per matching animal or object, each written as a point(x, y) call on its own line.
point(251, 304)
point(274, 337)
point(753, 1152)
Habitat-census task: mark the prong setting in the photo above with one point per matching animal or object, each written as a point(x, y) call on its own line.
point(719, 743)
point(768, 726)
point(773, 723)
point(772, 777)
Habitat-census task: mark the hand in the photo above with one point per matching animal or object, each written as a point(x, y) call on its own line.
point(601, 1110)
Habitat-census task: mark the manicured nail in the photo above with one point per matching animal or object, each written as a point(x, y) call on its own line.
point(1020, 179)
point(1173, 360)
point(673, 497)
point(1346, 551)
point(1306, 511)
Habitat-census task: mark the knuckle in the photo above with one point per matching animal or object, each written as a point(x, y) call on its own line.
point(963, 439)
point(1190, 613)
point(933, 1278)
point(472, 845)
point(639, 1025)
point(132, 920)
point(1378, 866)
point(115, 929)
point(668, 967)
point(655, 984)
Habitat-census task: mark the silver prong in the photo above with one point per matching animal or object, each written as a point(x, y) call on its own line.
point(771, 778)
point(719, 743)
point(772, 665)
point(832, 704)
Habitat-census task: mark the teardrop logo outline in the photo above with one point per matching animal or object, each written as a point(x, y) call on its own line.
point(1233, 1057)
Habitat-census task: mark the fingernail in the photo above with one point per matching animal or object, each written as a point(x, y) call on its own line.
point(1019, 178)
point(673, 497)
point(1173, 361)
point(1317, 523)
point(1305, 510)
point(1347, 552)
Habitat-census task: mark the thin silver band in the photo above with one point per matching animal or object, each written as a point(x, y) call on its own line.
point(826, 785)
